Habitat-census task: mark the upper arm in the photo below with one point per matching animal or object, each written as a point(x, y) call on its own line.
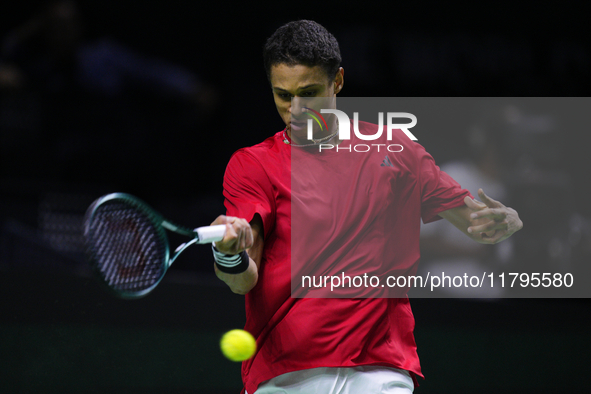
point(439, 191)
point(248, 191)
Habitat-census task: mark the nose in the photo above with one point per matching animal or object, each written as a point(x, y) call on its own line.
point(296, 107)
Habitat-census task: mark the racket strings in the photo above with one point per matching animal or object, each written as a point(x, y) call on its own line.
point(127, 247)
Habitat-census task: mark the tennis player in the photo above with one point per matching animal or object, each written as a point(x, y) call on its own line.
point(330, 345)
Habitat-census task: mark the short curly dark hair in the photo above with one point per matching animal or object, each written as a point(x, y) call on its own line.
point(302, 42)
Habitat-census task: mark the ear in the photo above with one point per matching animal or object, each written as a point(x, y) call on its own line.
point(339, 80)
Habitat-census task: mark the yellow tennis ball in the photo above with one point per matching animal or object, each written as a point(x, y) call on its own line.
point(238, 345)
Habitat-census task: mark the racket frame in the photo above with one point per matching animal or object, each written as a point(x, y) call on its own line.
point(159, 224)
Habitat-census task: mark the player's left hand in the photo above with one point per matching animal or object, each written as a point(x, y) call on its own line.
point(503, 221)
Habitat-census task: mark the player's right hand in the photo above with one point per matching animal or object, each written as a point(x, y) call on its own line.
point(238, 235)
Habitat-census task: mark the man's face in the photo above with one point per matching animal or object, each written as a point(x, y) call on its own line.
point(290, 82)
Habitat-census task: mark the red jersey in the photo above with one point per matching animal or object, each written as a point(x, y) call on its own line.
point(301, 333)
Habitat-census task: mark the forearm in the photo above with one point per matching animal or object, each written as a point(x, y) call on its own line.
point(240, 235)
point(460, 218)
point(240, 283)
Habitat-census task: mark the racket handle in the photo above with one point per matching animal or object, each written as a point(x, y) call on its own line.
point(209, 234)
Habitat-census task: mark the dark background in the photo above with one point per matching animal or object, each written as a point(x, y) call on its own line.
point(63, 147)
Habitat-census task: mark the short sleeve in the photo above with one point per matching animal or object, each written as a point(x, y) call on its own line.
point(248, 190)
point(439, 191)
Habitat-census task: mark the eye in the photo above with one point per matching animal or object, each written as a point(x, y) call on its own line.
point(309, 93)
point(284, 96)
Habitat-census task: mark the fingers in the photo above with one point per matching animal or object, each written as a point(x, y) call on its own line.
point(491, 213)
point(473, 204)
point(242, 229)
point(491, 222)
point(489, 201)
point(489, 233)
point(488, 228)
point(494, 237)
point(223, 219)
point(238, 235)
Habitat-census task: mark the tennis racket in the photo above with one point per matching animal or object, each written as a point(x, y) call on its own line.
point(127, 245)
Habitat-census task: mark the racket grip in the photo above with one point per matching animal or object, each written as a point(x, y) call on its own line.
point(209, 234)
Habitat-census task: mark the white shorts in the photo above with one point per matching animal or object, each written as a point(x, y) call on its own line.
point(353, 380)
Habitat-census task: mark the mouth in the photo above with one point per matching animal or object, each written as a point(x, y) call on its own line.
point(298, 124)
